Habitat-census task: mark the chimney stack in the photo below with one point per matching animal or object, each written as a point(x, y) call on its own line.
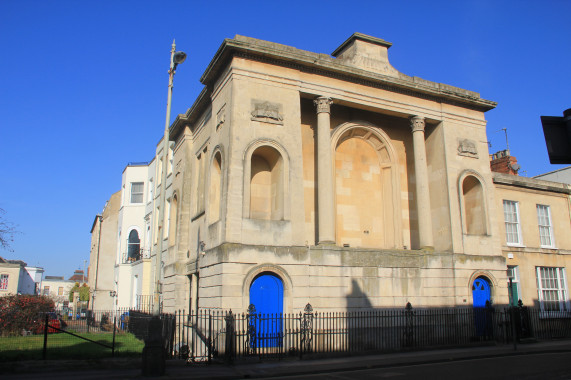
point(502, 162)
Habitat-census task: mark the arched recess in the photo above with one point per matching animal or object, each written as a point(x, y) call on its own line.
point(473, 204)
point(173, 215)
point(276, 270)
point(266, 181)
point(214, 194)
point(367, 187)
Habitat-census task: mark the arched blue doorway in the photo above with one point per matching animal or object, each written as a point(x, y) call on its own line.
point(482, 300)
point(267, 296)
point(481, 292)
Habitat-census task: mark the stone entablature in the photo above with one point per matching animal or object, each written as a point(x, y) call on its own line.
point(265, 51)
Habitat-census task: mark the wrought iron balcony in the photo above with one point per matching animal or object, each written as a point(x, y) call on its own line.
point(132, 256)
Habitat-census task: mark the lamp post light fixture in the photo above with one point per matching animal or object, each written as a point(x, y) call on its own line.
point(177, 57)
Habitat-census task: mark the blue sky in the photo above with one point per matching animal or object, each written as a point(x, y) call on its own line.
point(83, 86)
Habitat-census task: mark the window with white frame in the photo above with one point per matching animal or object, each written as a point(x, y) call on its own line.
point(513, 284)
point(511, 218)
point(4, 282)
point(552, 288)
point(137, 192)
point(545, 228)
point(133, 246)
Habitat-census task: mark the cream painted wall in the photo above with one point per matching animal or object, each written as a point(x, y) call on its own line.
point(13, 273)
point(131, 216)
point(103, 254)
point(529, 255)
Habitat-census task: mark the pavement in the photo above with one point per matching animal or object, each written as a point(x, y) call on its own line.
point(178, 369)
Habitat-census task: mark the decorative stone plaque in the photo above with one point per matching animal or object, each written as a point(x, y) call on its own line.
point(267, 112)
point(467, 148)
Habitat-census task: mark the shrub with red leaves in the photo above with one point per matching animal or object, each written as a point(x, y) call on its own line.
point(23, 312)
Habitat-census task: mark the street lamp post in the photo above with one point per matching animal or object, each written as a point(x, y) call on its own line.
point(177, 57)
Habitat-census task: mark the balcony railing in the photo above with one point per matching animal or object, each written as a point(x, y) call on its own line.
point(133, 257)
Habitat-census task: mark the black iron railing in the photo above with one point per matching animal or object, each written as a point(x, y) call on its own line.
point(221, 335)
point(225, 335)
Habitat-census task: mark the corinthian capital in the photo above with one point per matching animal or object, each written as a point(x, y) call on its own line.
point(417, 123)
point(323, 104)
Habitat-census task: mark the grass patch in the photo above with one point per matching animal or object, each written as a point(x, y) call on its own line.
point(64, 346)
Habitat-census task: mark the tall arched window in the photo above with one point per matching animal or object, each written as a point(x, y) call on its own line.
point(134, 244)
point(266, 184)
point(215, 184)
point(172, 220)
point(474, 212)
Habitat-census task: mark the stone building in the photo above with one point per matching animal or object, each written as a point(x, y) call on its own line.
point(300, 177)
point(101, 278)
point(536, 239)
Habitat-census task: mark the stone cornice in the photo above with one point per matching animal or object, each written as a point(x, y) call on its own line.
point(323, 64)
point(530, 183)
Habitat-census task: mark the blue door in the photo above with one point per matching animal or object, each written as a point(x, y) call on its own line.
point(481, 295)
point(481, 292)
point(267, 296)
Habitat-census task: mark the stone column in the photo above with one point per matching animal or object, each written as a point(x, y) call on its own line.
point(422, 191)
point(325, 190)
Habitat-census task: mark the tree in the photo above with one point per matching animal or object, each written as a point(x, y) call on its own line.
point(83, 291)
point(7, 232)
point(23, 312)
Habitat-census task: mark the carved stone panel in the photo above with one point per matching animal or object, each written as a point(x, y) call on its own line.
point(467, 148)
point(266, 112)
point(221, 117)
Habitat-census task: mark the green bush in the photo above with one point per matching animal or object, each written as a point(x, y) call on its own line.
point(23, 312)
